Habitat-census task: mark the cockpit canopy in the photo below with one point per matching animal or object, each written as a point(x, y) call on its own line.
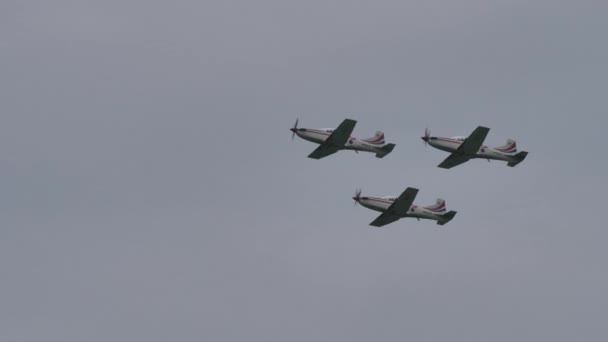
point(389, 198)
point(459, 138)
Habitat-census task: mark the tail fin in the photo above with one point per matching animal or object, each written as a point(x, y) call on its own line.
point(445, 218)
point(509, 147)
point(377, 139)
point(438, 207)
point(386, 149)
point(518, 158)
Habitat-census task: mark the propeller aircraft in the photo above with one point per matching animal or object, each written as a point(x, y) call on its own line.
point(334, 140)
point(463, 149)
point(395, 208)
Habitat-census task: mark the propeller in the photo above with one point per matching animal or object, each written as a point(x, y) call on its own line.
point(357, 196)
point(294, 129)
point(427, 135)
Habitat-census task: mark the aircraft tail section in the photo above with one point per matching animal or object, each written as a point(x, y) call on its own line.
point(509, 147)
point(445, 218)
point(438, 208)
point(377, 139)
point(384, 150)
point(518, 158)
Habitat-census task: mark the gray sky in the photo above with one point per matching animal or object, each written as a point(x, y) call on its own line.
point(150, 191)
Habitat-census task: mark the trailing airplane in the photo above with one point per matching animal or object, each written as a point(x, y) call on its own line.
point(394, 208)
point(463, 149)
point(334, 140)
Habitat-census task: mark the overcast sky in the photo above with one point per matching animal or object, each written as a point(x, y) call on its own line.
point(150, 191)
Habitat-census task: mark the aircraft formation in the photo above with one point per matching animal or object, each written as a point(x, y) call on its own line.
point(461, 149)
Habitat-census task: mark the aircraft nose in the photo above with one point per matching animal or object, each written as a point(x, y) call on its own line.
point(293, 129)
point(425, 138)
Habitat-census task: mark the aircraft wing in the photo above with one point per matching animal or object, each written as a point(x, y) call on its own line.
point(473, 142)
point(323, 151)
point(341, 134)
point(384, 219)
point(454, 159)
point(335, 141)
point(403, 203)
point(398, 209)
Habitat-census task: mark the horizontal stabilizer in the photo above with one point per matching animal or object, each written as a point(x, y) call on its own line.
point(518, 158)
point(445, 218)
point(386, 149)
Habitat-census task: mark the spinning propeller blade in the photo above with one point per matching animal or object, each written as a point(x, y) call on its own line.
point(427, 135)
point(357, 196)
point(294, 129)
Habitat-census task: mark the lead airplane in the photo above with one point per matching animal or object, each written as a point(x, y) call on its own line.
point(395, 208)
point(463, 149)
point(334, 140)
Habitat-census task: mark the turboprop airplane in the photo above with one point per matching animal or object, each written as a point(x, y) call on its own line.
point(334, 140)
point(465, 148)
point(394, 208)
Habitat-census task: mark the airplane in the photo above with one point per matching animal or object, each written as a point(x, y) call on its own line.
point(334, 140)
point(394, 208)
point(463, 149)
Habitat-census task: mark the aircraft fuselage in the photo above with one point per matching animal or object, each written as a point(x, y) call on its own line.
point(451, 145)
point(320, 135)
point(382, 204)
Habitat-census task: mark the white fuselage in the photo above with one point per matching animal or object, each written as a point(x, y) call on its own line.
point(382, 203)
point(451, 145)
point(320, 135)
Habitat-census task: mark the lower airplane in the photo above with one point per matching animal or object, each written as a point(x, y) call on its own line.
point(394, 208)
point(465, 148)
point(334, 140)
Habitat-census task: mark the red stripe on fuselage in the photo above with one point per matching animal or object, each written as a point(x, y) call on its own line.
point(505, 149)
point(317, 131)
point(460, 142)
point(435, 210)
point(439, 208)
point(379, 200)
point(383, 200)
point(450, 140)
point(375, 141)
